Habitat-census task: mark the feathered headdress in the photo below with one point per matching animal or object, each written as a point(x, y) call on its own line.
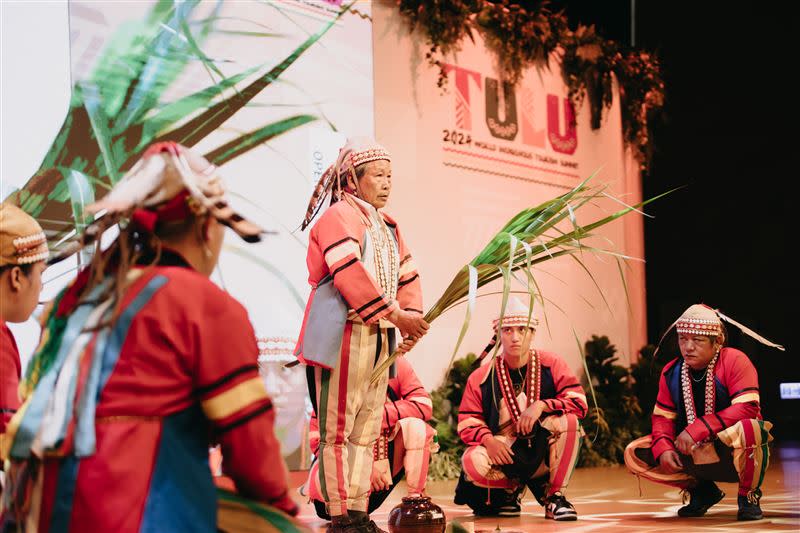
point(700, 319)
point(168, 183)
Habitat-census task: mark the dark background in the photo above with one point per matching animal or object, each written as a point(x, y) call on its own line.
point(726, 134)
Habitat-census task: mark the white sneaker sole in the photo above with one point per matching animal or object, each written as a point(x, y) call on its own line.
point(564, 517)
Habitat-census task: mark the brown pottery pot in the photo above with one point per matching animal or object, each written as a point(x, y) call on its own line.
point(417, 514)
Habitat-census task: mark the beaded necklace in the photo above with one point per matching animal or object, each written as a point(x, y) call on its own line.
point(688, 394)
point(383, 244)
point(532, 385)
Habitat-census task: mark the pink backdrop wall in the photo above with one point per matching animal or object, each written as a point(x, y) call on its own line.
point(464, 164)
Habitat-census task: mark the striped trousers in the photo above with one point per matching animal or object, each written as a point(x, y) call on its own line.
point(349, 411)
point(563, 447)
point(743, 449)
point(410, 449)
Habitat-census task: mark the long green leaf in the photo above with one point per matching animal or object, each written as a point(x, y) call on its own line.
point(594, 280)
point(124, 56)
point(199, 127)
point(624, 285)
point(81, 194)
point(250, 140)
point(195, 48)
point(588, 378)
point(471, 297)
point(94, 108)
point(185, 107)
point(163, 60)
point(529, 227)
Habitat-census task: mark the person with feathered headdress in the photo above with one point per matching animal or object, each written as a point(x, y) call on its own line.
point(143, 363)
point(363, 284)
point(707, 423)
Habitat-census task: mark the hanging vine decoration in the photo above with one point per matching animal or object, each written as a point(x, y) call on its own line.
point(521, 38)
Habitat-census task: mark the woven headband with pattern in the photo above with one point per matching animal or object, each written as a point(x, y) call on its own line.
point(701, 319)
point(699, 326)
point(366, 156)
point(517, 320)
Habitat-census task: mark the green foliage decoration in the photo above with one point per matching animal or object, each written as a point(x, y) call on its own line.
point(521, 36)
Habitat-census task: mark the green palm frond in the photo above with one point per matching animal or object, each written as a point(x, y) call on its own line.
point(250, 140)
point(528, 239)
point(120, 109)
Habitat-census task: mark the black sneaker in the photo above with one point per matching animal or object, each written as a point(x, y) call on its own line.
point(701, 499)
point(749, 508)
point(558, 508)
point(509, 509)
point(503, 502)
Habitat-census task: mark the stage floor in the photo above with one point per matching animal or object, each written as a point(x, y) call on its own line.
point(608, 499)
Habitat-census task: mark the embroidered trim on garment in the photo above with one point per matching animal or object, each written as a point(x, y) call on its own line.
point(366, 156)
point(699, 326)
point(532, 385)
point(688, 395)
point(382, 242)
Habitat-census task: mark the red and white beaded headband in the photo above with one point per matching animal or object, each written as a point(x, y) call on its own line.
point(366, 156)
point(517, 320)
point(699, 326)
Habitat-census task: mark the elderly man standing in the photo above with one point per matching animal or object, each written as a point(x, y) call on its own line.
point(519, 417)
point(364, 284)
point(707, 423)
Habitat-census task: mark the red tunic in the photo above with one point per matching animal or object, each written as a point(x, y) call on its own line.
point(479, 418)
point(737, 398)
point(183, 375)
point(9, 376)
point(335, 247)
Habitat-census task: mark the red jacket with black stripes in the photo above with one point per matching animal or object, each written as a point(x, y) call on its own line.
point(737, 398)
point(335, 246)
point(479, 415)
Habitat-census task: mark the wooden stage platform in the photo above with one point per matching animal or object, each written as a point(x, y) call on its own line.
point(608, 499)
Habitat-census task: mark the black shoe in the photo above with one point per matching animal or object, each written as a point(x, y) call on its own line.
point(464, 491)
point(484, 510)
point(509, 509)
point(322, 510)
point(558, 508)
point(749, 508)
point(362, 523)
point(502, 502)
point(701, 499)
